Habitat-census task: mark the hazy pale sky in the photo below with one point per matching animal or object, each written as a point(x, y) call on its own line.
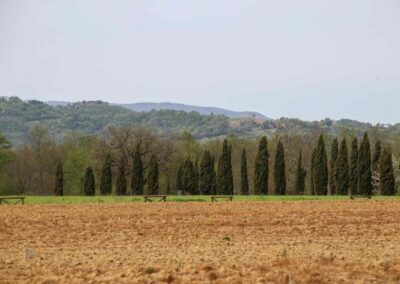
point(309, 59)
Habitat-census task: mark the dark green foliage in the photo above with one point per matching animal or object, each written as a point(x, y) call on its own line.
point(321, 169)
point(377, 156)
point(121, 180)
point(332, 167)
point(106, 177)
point(342, 170)
point(152, 176)
point(244, 181)
point(387, 182)
point(207, 182)
point(261, 168)
point(312, 170)
point(179, 180)
point(196, 175)
point(353, 168)
point(137, 182)
point(89, 186)
point(224, 174)
point(280, 170)
point(301, 173)
point(59, 183)
point(364, 167)
point(168, 189)
point(189, 179)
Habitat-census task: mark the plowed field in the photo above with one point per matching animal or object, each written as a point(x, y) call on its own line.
point(226, 242)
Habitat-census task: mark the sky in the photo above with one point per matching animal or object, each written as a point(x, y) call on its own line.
point(306, 59)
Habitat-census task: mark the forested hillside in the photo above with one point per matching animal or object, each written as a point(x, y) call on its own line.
point(17, 118)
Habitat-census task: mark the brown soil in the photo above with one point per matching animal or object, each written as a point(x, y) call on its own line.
point(231, 242)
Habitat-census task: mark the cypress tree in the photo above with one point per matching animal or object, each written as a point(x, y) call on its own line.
point(342, 170)
point(196, 175)
point(152, 176)
point(376, 167)
point(332, 167)
point(280, 170)
point(321, 169)
point(106, 177)
point(244, 181)
point(387, 184)
point(207, 174)
point(261, 170)
point(312, 170)
point(377, 156)
point(168, 189)
point(188, 178)
point(224, 174)
point(364, 167)
point(121, 181)
point(353, 170)
point(301, 173)
point(59, 181)
point(137, 182)
point(89, 186)
point(179, 182)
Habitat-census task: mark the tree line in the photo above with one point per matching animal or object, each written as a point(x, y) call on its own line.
point(194, 179)
point(136, 161)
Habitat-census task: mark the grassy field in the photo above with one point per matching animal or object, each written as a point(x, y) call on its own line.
point(175, 198)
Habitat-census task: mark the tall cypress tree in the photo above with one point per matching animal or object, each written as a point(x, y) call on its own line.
point(244, 181)
point(207, 174)
point(168, 189)
point(280, 170)
point(179, 181)
point(121, 180)
point(332, 167)
point(321, 169)
point(377, 156)
point(152, 176)
point(106, 177)
point(364, 167)
point(353, 170)
point(342, 170)
point(300, 184)
point(261, 170)
point(224, 174)
point(376, 159)
point(188, 178)
point(196, 175)
point(59, 181)
point(312, 170)
point(137, 182)
point(387, 182)
point(89, 186)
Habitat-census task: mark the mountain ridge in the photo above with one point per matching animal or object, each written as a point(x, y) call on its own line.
point(204, 110)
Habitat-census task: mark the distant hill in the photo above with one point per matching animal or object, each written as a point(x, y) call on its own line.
point(92, 117)
point(189, 108)
point(147, 107)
